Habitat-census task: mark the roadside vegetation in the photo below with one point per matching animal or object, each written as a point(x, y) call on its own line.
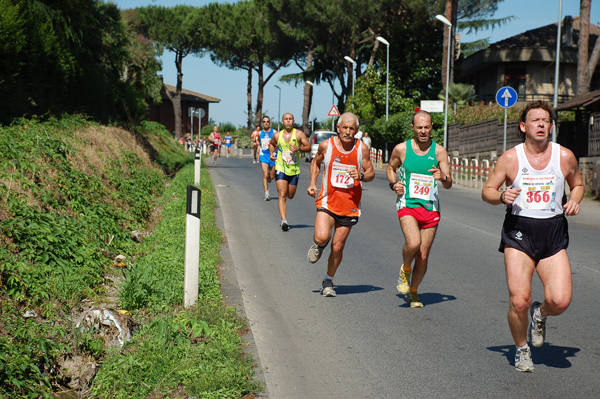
point(92, 221)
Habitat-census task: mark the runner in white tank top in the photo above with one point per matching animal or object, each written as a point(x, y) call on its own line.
point(535, 231)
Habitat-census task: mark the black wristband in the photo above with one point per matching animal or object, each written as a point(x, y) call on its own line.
point(502, 197)
point(362, 176)
point(392, 186)
point(445, 179)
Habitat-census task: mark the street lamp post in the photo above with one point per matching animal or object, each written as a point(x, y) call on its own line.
point(278, 107)
point(556, 69)
point(445, 21)
point(312, 121)
point(387, 73)
point(330, 73)
point(350, 60)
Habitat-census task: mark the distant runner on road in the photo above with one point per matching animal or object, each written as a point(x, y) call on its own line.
point(254, 136)
point(266, 163)
point(215, 143)
point(228, 141)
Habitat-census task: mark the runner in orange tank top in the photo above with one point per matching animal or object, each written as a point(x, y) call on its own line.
point(347, 165)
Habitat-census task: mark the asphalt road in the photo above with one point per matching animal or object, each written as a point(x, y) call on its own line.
point(366, 342)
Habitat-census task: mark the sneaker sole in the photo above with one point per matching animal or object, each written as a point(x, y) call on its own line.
point(525, 370)
point(329, 292)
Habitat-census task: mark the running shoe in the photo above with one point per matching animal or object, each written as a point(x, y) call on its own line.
point(284, 225)
point(254, 161)
point(536, 333)
point(267, 196)
point(403, 285)
point(327, 288)
point(269, 180)
point(413, 299)
point(523, 360)
point(314, 253)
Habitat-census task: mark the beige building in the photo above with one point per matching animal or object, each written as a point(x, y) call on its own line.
point(526, 62)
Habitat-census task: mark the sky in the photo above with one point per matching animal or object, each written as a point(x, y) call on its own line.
point(203, 76)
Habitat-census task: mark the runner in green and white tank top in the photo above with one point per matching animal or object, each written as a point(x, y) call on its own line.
point(421, 187)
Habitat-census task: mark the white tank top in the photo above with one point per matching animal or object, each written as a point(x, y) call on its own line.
point(542, 191)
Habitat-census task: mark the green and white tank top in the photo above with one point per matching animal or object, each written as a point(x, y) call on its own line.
point(420, 186)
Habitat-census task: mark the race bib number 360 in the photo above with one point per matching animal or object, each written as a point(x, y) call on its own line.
point(422, 187)
point(538, 192)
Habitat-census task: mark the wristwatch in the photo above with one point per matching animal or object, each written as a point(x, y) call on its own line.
point(445, 179)
point(392, 186)
point(362, 176)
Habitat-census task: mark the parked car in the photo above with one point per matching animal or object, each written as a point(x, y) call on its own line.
point(315, 138)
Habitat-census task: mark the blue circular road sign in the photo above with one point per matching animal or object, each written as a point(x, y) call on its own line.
point(506, 97)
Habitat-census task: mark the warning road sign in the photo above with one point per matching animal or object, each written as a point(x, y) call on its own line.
point(333, 111)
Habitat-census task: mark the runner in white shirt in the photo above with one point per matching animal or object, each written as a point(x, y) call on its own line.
point(535, 232)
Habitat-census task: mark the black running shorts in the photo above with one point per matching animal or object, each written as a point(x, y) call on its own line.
point(538, 238)
point(345, 221)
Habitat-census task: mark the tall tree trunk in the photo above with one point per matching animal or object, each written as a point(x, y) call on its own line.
point(249, 91)
point(586, 66)
point(583, 80)
point(376, 44)
point(176, 99)
point(259, 95)
point(308, 91)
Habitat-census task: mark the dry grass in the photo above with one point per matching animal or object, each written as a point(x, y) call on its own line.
point(99, 143)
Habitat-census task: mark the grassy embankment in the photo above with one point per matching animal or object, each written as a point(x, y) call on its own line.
point(71, 193)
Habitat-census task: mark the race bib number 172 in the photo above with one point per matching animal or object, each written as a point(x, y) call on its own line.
point(340, 175)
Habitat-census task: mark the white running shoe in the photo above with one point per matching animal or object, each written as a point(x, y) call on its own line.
point(327, 288)
point(523, 360)
point(536, 333)
point(314, 253)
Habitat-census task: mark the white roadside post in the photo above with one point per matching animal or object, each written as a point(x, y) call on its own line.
point(192, 246)
point(197, 165)
point(192, 123)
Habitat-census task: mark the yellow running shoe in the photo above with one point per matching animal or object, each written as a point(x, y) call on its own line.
point(403, 285)
point(413, 299)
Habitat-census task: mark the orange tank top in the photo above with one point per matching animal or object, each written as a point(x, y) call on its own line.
point(341, 194)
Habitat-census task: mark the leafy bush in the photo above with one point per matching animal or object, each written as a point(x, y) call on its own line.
point(470, 115)
point(398, 129)
point(244, 141)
